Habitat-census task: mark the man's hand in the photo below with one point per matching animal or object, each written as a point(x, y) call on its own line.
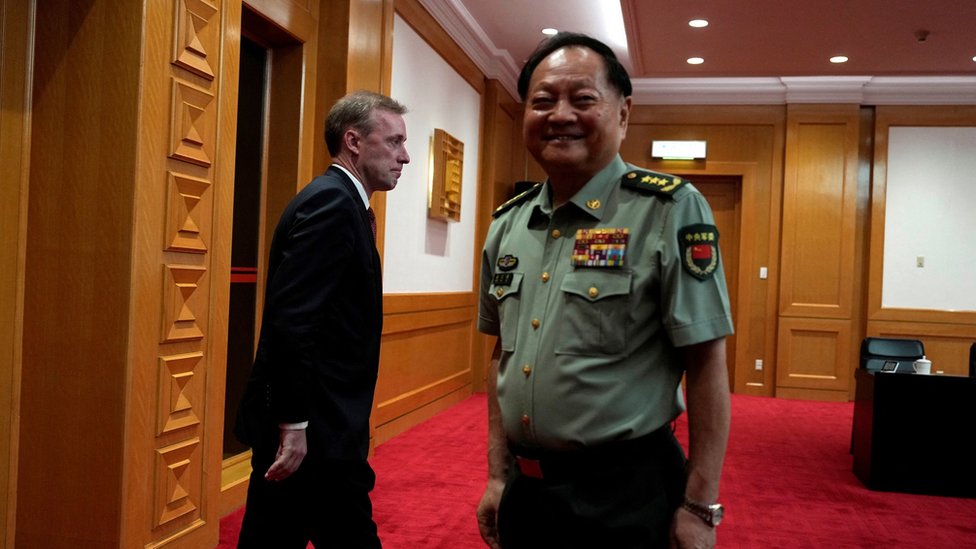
point(690, 532)
point(290, 454)
point(488, 512)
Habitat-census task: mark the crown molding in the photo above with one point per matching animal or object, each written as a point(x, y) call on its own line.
point(497, 64)
point(860, 90)
point(457, 21)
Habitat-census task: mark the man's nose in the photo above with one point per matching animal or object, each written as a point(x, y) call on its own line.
point(562, 110)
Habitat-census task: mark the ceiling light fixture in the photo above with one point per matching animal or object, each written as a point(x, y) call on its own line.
point(698, 23)
point(838, 59)
point(549, 31)
point(695, 60)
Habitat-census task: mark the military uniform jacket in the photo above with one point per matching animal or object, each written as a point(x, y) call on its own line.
point(592, 301)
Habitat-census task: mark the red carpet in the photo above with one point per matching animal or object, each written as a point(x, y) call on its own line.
point(787, 483)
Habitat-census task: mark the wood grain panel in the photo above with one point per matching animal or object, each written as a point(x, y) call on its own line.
point(78, 272)
point(16, 36)
point(819, 211)
point(300, 19)
point(426, 355)
point(817, 352)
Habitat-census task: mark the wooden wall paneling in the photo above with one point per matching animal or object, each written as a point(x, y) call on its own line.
point(817, 351)
point(184, 194)
point(862, 236)
point(745, 142)
point(331, 82)
point(78, 277)
point(16, 42)
point(819, 211)
point(225, 491)
point(820, 192)
point(425, 360)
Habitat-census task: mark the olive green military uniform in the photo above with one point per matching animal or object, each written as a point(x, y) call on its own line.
point(592, 301)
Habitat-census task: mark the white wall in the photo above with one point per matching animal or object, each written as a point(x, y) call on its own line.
point(424, 255)
point(930, 212)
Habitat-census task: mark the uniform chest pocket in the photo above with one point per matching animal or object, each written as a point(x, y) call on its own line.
point(508, 297)
point(596, 306)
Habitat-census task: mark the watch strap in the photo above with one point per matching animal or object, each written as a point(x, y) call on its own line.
point(704, 511)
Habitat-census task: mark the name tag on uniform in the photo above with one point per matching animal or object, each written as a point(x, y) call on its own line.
point(502, 279)
point(604, 247)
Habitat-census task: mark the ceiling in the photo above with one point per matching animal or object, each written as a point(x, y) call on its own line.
point(755, 51)
point(750, 38)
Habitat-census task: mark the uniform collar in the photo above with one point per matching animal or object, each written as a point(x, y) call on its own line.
point(593, 197)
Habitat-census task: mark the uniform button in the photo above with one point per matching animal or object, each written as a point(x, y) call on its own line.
point(545, 277)
point(526, 369)
point(535, 323)
point(594, 292)
point(556, 233)
point(525, 419)
point(499, 292)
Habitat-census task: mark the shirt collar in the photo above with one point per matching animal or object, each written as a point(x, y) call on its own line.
point(592, 198)
point(355, 183)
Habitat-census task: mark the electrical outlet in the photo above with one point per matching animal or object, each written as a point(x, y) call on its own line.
point(759, 365)
point(920, 261)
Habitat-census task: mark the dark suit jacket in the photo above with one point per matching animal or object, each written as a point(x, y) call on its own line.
point(318, 351)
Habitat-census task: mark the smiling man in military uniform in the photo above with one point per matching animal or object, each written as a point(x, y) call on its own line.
point(604, 286)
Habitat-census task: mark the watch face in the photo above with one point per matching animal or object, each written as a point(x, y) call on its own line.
point(717, 513)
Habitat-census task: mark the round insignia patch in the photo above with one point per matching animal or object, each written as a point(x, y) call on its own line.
point(699, 250)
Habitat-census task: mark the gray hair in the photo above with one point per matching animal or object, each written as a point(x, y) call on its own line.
point(356, 111)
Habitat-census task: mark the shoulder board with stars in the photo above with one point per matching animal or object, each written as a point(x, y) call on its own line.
point(518, 198)
point(658, 183)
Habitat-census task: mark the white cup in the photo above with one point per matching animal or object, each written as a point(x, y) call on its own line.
point(923, 366)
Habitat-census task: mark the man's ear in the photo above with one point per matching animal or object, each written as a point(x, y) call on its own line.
point(624, 117)
point(351, 140)
point(625, 106)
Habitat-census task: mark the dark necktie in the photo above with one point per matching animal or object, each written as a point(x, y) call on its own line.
point(372, 221)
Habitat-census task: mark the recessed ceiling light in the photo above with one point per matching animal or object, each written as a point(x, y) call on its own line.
point(698, 23)
point(974, 58)
point(549, 31)
point(695, 60)
point(838, 59)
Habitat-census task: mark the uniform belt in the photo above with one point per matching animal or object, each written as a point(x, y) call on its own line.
point(540, 463)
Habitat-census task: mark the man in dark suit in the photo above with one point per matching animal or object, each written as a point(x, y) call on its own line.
point(306, 409)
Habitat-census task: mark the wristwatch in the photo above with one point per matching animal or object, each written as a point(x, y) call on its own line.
point(711, 514)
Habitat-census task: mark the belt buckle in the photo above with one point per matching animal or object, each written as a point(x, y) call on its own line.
point(529, 467)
